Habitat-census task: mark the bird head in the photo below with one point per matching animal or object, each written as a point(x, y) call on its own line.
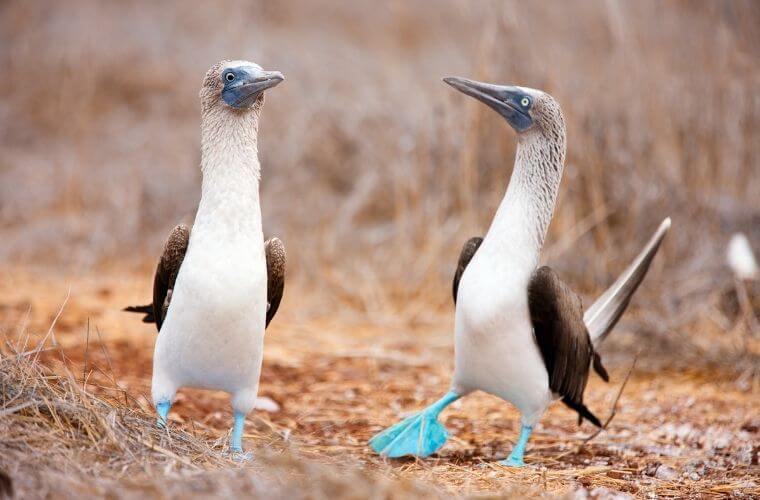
point(524, 109)
point(237, 86)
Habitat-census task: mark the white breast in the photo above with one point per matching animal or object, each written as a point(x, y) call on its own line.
point(495, 348)
point(214, 330)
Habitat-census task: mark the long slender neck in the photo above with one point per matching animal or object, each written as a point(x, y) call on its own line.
point(230, 167)
point(523, 217)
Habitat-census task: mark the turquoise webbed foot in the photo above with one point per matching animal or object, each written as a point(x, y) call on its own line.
point(515, 458)
point(419, 435)
point(162, 408)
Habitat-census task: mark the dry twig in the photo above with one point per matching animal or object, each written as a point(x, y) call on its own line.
point(614, 405)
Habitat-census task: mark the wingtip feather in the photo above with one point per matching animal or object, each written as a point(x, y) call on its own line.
point(602, 316)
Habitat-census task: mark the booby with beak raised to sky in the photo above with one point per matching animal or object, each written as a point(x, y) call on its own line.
point(218, 286)
point(520, 332)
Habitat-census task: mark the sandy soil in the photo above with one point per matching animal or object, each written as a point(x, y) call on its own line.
point(678, 432)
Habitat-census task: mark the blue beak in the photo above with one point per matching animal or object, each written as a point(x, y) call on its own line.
point(243, 86)
point(504, 99)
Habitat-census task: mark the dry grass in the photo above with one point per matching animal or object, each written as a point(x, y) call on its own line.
point(65, 436)
point(337, 383)
point(61, 441)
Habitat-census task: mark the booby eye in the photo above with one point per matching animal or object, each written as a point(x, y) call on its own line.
point(524, 102)
point(229, 76)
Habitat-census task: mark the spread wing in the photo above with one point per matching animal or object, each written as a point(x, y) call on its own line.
point(275, 255)
point(468, 250)
point(557, 316)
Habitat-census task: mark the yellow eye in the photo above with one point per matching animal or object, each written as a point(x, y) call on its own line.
point(524, 102)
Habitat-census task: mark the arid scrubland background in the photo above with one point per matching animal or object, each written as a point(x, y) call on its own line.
point(374, 174)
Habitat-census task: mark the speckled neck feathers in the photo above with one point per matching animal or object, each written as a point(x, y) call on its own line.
point(523, 217)
point(229, 138)
point(231, 169)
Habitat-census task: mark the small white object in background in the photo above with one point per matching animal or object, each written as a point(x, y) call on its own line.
point(266, 404)
point(740, 258)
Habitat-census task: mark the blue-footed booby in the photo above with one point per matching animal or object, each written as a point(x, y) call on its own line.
point(217, 287)
point(520, 332)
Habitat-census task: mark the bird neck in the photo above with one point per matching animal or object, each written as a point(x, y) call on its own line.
point(523, 217)
point(229, 141)
point(231, 169)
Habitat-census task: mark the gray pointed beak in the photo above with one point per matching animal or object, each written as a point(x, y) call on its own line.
point(503, 99)
point(248, 86)
point(484, 92)
point(267, 79)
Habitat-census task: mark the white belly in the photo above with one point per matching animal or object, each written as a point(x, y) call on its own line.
point(495, 348)
point(214, 330)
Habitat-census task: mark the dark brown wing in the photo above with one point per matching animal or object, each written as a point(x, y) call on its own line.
point(166, 275)
point(166, 271)
point(275, 254)
point(561, 335)
point(468, 250)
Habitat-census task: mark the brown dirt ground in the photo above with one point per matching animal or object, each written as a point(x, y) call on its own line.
point(678, 432)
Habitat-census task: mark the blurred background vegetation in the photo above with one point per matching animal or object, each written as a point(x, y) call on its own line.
point(374, 171)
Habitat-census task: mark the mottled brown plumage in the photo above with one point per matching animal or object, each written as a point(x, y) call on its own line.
point(171, 260)
point(557, 316)
point(468, 251)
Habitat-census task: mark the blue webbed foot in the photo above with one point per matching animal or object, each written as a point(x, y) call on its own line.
point(162, 408)
point(420, 435)
point(515, 458)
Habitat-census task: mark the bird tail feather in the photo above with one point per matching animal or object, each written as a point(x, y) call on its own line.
point(583, 412)
point(606, 311)
point(147, 310)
